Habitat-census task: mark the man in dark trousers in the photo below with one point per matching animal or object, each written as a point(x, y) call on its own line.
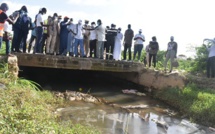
point(128, 37)
point(153, 50)
point(3, 18)
point(17, 29)
point(26, 25)
point(111, 34)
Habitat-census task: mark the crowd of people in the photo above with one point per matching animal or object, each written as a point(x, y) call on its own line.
point(61, 36)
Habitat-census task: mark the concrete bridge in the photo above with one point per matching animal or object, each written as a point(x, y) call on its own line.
point(65, 62)
point(131, 71)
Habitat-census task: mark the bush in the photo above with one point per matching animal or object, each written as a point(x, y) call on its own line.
point(25, 109)
point(197, 103)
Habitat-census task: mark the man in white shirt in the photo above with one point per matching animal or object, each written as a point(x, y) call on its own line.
point(138, 45)
point(39, 30)
point(211, 58)
point(93, 40)
point(7, 38)
point(79, 38)
point(100, 31)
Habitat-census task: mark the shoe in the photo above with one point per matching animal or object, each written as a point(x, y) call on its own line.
point(10, 55)
point(18, 51)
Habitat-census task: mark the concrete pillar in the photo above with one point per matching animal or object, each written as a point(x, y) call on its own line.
point(13, 67)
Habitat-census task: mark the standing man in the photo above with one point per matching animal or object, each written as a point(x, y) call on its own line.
point(52, 30)
point(26, 25)
point(86, 38)
point(111, 35)
point(138, 46)
point(45, 34)
point(118, 45)
point(39, 30)
point(128, 37)
point(17, 30)
point(3, 17)
point(33, 37)
point(100, 31)
point(64, 36)
point(93, 40)
point(153, 50)
point(57, 45)
point(211, 58)
point(79, 38)
point(7, 38)
point(70, 43)
point(171, 53)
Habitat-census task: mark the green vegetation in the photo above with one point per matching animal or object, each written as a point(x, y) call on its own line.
point(197, 103)
point(2, 50)
point(26, 109)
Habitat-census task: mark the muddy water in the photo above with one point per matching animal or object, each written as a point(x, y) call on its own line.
point(112, 120)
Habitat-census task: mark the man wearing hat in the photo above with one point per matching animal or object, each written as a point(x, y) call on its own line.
point(138, 45)
point(64, 36)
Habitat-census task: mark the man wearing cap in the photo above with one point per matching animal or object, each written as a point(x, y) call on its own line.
point(138, 45)
point(128, 37)
point(93, 40)
point(70, 46)
point(111, 35)
point(53, 31)
point(171, 53)
point(64, 36)
point(86, 38)
point(79, 39)
point(3, 17)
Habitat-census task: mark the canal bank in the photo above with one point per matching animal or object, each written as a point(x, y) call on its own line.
point(107, 87)
point(110, 89)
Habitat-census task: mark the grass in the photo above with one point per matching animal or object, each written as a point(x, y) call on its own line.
point(26, 109)
point(197, 103)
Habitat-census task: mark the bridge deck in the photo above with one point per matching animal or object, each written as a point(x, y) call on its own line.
point(63, 62)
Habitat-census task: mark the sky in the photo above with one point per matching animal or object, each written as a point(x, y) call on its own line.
point(189, 21)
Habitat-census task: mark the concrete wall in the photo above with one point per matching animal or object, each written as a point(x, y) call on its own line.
point(152, 79)
point(63, 62)
point(134, 72)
